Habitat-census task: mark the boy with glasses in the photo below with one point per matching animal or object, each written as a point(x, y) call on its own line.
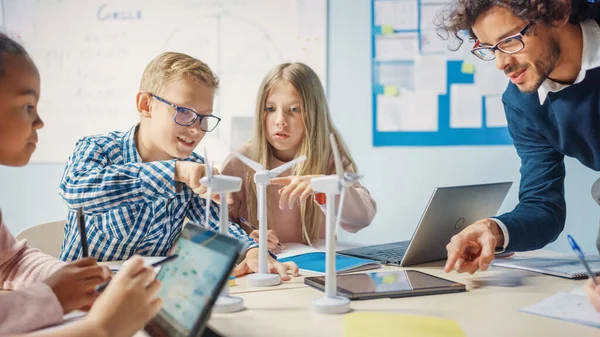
point(136, 188)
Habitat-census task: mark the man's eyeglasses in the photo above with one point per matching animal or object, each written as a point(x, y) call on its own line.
point(186, 117)
point(510, 45)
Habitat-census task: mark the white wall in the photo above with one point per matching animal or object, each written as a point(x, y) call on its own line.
point(401, 179)
point(29, 195)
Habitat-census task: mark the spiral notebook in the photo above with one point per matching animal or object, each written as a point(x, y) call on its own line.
point(563, 267)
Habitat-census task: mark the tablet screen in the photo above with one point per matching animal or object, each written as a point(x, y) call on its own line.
point(389, 283)
point(191, 283)
point(188, 282)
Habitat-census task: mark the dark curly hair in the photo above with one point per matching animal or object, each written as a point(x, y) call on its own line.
point(461, 14)
point(9, 46)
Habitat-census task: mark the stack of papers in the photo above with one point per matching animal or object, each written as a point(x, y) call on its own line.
point(572, 307)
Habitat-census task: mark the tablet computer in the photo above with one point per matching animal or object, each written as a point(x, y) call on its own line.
point(404, 283)
point(192, 282)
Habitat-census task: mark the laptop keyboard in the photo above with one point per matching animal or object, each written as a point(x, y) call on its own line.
point(395, 254)
point(391, 253)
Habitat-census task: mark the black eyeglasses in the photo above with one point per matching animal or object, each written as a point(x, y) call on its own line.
point(186, 117)
point(510, 45)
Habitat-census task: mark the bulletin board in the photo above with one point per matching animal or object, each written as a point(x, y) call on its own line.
point(425, 94)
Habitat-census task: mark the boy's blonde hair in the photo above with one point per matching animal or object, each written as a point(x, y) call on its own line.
point(315, 143)
point(173, 66)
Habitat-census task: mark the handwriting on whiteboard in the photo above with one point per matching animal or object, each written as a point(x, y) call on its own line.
point(105, 13)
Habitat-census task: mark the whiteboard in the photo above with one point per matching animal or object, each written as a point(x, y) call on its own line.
point(91, 55)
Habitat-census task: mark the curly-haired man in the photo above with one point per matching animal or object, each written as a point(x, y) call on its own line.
point(550, 50)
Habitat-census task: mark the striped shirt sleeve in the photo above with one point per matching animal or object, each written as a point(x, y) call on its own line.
point(92, 182)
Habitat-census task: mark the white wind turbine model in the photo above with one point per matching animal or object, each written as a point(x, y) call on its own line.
point(222, 185)
point(332, 185)
point(262, 178)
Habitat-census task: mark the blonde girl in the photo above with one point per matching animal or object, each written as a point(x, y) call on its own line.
point(292, 119)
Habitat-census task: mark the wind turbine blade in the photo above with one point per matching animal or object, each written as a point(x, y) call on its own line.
point(209, 172)
point(352, 178)
point(338, 217)
point(280, 169)
point(251, 163)
point(339, 169)
point(207, 208)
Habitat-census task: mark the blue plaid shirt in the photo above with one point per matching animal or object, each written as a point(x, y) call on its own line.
point(131, 207)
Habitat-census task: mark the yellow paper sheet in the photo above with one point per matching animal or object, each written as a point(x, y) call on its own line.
point(468, 68)
point(386, 29)
point(390, 90)
point(381, 324)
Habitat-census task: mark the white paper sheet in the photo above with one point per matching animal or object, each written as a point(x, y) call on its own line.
point(148, 260)
point(488, 78)
point(460, 51)
point(432, 43)
point(429, 13)
point(402, 15)
point(401, 75)
point(293, 248)
point(578, 291)
point(465, 106)
point(569, 307)
point(401, 46)
point(431, 73)
point(494, 112)
point(409, 111)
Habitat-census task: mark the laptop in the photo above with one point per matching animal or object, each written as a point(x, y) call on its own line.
point(449, 211)
point(192, 282)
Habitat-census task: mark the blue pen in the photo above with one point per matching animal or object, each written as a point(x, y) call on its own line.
point(581, 257)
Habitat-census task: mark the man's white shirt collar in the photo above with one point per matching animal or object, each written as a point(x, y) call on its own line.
point(590, 59)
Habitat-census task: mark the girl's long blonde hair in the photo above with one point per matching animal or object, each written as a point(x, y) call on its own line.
point(315, 143)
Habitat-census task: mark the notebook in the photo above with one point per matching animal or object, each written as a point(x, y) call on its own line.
point(312, 259)
point(115, 266)
point(563, 267)
point(384, 324)
point(572, 307)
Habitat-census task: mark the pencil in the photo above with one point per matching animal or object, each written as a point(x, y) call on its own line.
point(82, 232)
point(244, 222)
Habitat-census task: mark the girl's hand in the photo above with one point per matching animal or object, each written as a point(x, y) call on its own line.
point(272, 240)
point(250, 265)
point(74, 283)
point(129, 301)
point(295, 188)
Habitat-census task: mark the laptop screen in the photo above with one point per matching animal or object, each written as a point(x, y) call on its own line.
point(191, 283)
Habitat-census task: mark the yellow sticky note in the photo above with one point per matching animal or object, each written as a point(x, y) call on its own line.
point(387, 29)
point(468, 68)
point(383, 324)
point(390, 90)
